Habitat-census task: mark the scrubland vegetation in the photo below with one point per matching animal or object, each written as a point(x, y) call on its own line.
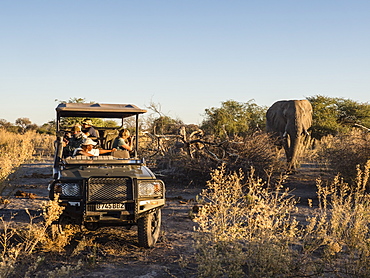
point(246, 224)
point(248, 229)
point(16, 149)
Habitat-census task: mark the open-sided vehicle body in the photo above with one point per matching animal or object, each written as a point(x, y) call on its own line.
point(106, 190)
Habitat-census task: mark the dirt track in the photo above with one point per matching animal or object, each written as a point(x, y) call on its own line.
point(117, 252)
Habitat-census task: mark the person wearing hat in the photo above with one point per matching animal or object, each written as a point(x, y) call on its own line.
point(87, 149)
point(88, 129)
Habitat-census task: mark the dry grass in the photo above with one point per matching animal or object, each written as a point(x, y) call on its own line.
point(20, 246)
point(236, 223)
point(343, 153)
point(16, 149)
point(341, 225)
point(245, 226)
point(248, 230)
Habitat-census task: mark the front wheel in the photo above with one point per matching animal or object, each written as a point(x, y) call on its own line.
point(149, 227)
point(63, 226)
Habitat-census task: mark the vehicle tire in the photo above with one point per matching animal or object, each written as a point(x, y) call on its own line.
point(149, 227)
point(66, 225)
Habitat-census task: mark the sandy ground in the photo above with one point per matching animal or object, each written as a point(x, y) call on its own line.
point(118, 251)
point(118, 254)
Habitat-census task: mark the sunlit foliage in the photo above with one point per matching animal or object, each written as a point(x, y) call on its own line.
point(234, 118)
point(332, 116)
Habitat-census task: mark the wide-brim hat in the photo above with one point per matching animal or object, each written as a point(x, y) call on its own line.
point(89, 141)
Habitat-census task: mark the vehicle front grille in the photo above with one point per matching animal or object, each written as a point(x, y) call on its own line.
point(112, 190)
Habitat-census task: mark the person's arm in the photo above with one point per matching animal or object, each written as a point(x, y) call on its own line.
point(101, 151)
point(82, 152)
point(128, 146)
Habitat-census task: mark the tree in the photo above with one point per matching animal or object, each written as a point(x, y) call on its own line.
point(337, 115)
point(110, 123)
point(47, 128)
point(32, 127)
point(5, 124)
point(166, 125)
point(23, 123)
point(352, 112)
point(162, 124)
point(234, 118)
point(73, 100)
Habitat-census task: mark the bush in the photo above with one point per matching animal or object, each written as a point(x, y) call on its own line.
point(192, 163)
point(234, 119)
point(248, 230)
point(243, 229)
point(343, 153)
point(332, 116)
point(19, 246)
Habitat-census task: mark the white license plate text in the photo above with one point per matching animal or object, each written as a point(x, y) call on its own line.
point(114, 206)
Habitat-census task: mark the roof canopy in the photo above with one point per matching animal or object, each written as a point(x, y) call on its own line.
point(98, 110)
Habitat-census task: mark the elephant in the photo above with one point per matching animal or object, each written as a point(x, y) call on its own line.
point(289, 120)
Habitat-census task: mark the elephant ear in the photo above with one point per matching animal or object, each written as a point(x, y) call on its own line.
point(272, 118)
point(306, 114)
point(276, 117)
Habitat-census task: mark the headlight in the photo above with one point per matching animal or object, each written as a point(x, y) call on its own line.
point(151, 188)
point(68, 189)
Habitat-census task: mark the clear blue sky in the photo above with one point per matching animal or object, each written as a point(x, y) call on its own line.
point(185, 55)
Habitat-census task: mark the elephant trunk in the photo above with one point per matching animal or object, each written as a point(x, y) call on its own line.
point(293, 150)
point(294, 129)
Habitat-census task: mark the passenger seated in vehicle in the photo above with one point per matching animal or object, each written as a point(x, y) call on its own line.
point(77, 132)
point(73, 140)
point(124, 142)
point(87, 149)
point(88, 129)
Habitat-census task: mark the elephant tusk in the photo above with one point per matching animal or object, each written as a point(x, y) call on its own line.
point(285, 134)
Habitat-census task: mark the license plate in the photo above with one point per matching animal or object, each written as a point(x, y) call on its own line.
point(114, 206)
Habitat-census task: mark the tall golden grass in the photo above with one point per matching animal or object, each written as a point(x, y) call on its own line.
point(248, 230)
point(342, 153)
point(16, 149)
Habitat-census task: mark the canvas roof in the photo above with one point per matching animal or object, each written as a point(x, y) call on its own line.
point(98, 110)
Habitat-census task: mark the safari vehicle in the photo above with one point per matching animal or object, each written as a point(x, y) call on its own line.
point(106, 190)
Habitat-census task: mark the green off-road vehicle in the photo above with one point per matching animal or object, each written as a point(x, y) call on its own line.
point(106, 190)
